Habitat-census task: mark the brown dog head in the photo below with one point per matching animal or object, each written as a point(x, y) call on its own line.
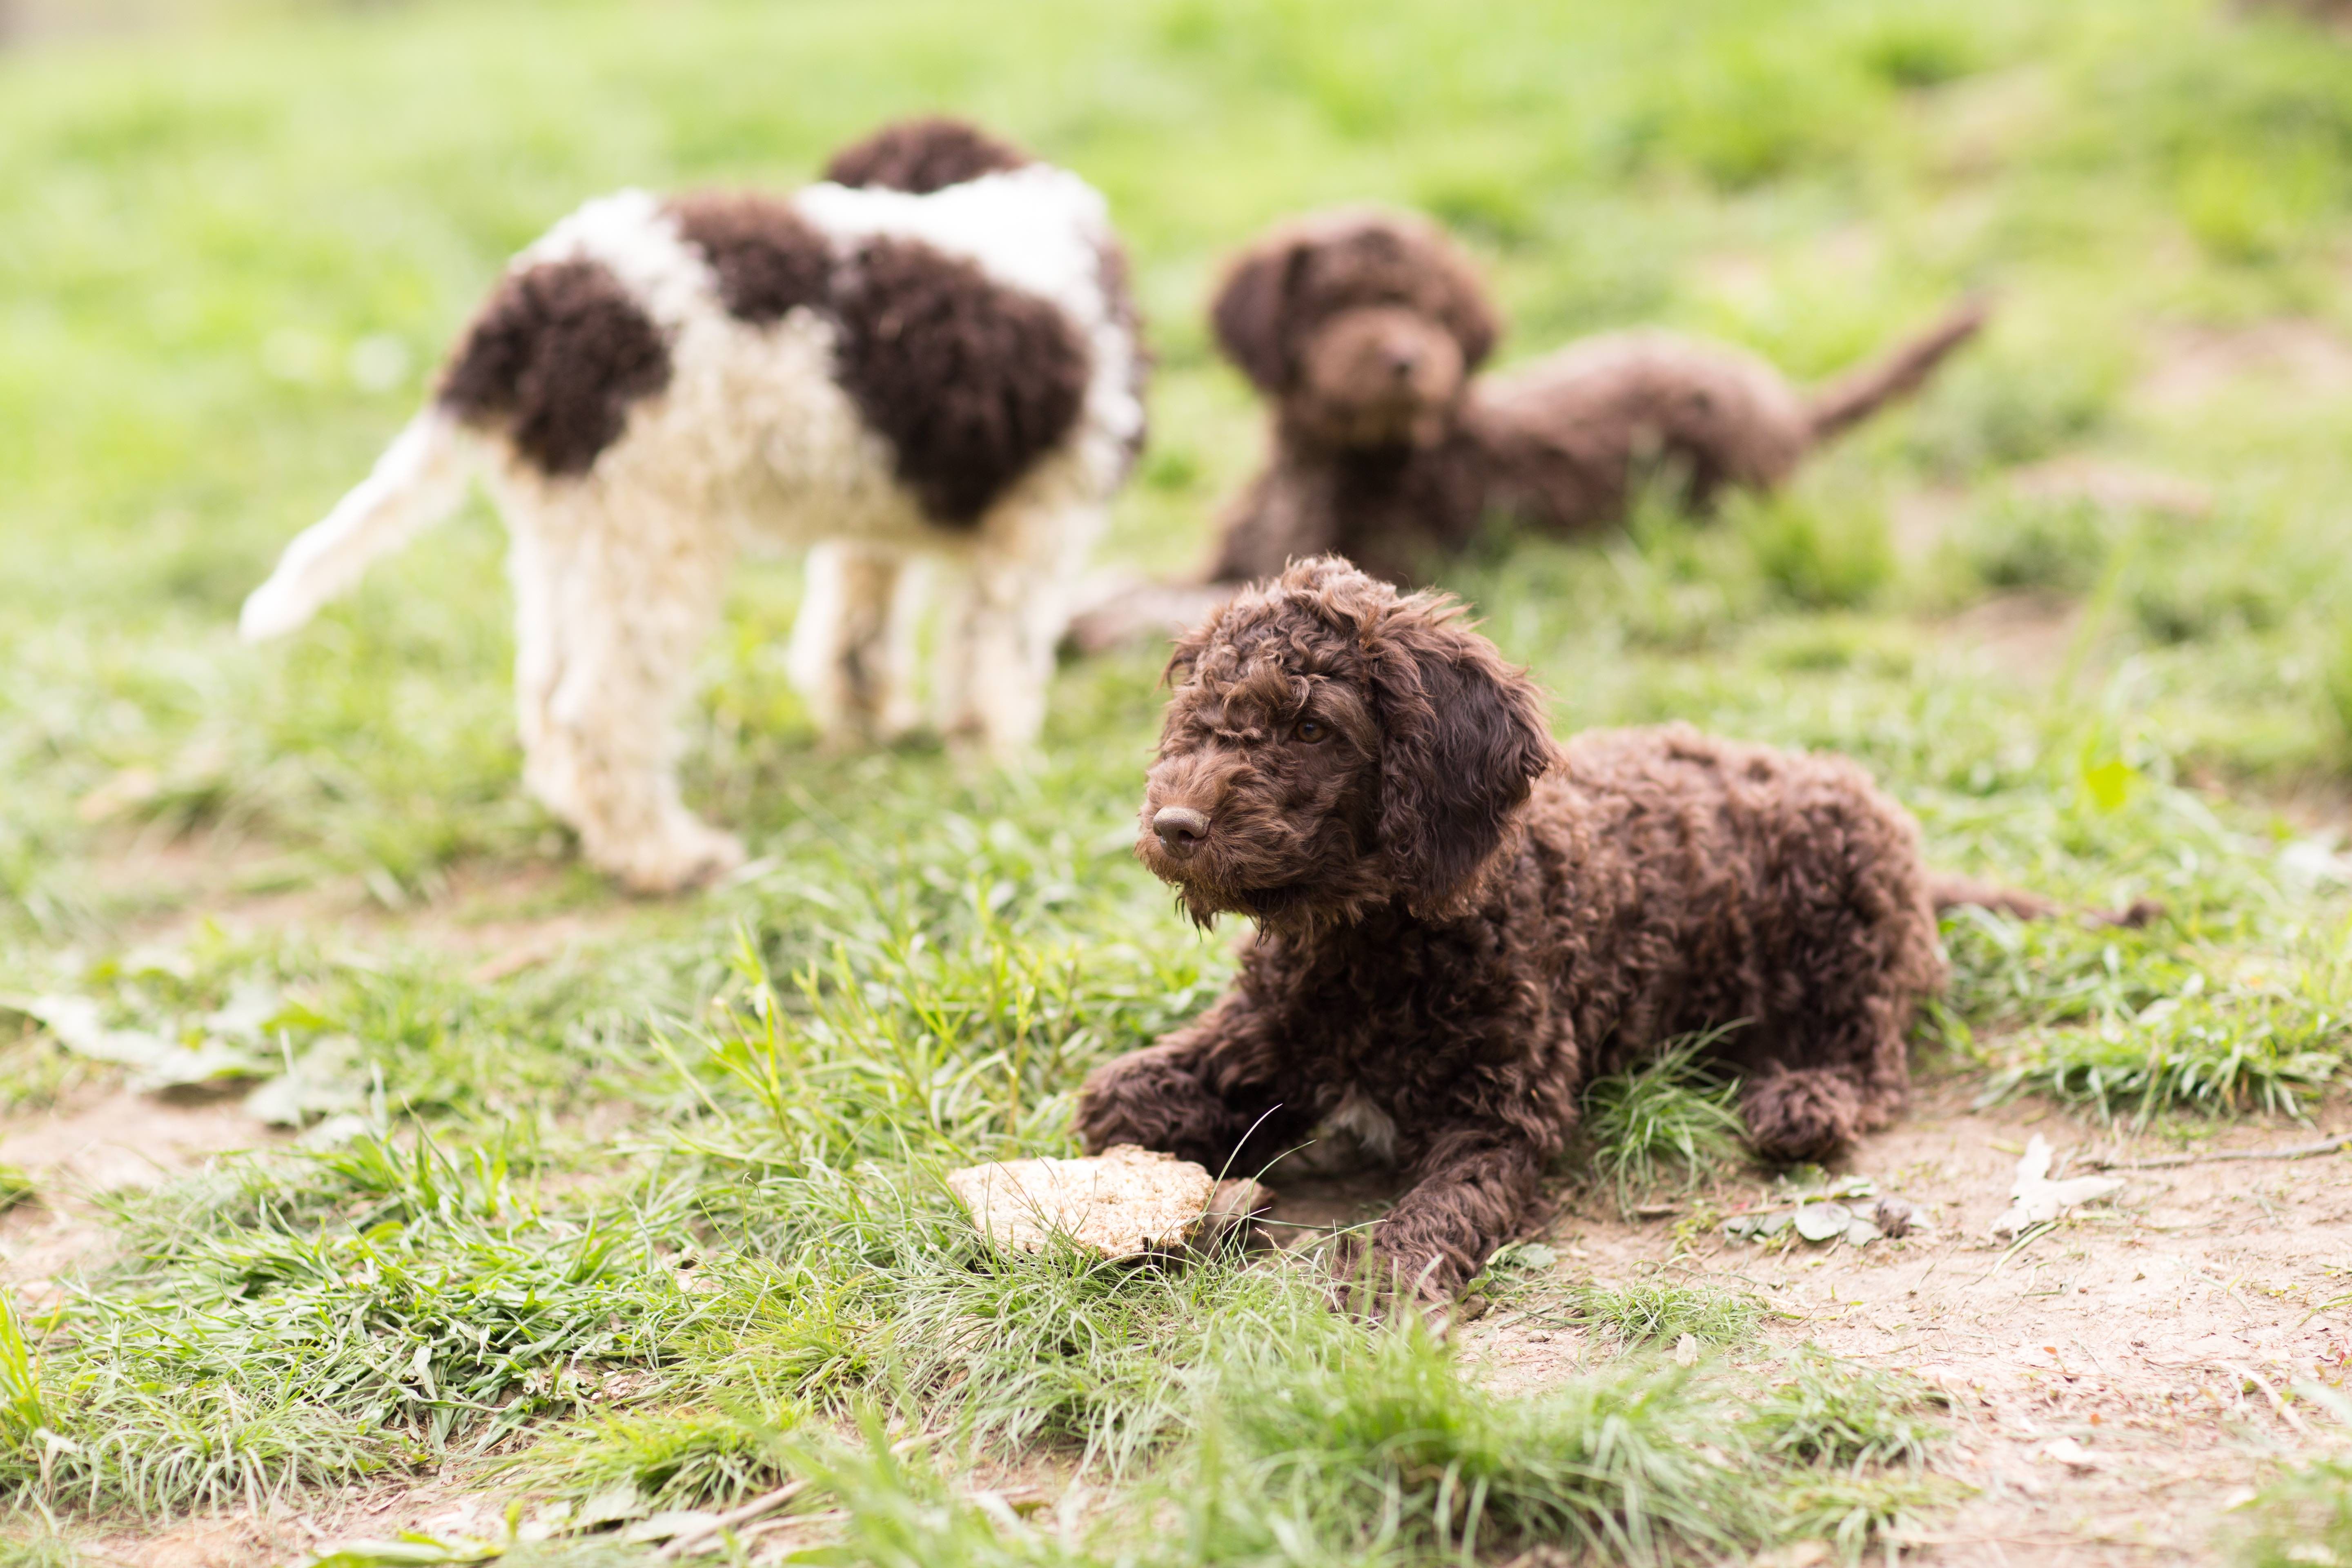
point(1364, 325)
point(1334, 747)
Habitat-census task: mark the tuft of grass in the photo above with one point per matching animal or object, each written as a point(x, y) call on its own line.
point(1850, 1512)
point(690, 1459)
point(903, 1515)
point(1653, 1312)
point(1832, 1413)
point(2248, 1049)
point(27, 1541)
point(354, 1312)
point(2302, 1518)
point(1671, 1118)
point(2056, 546)
point(2336, 682)
point(1385, 1451)
point(1819, 554)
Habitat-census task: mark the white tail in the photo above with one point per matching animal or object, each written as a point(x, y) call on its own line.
point(419, 481)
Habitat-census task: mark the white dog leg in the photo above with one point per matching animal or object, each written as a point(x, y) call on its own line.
point(609, 626)
point(997, 658)
point(852, 645)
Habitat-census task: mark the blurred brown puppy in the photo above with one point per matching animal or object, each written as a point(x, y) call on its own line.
point(1365, 330)
point(1461, 922)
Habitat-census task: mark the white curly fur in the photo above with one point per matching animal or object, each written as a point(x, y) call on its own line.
point(619, 572)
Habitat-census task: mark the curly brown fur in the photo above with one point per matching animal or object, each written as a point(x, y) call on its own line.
point(1365, 330)
point(767, 258)
point(922, 155)
point(555, 357)
point(970, 380)
point(1461, 923)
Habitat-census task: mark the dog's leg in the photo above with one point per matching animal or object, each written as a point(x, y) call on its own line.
point(1853, 1074)
point(996, 654)
point(1474, 1187)
point(610, 618)
point(1201, 1094)
point(852, 645)
point(1802, 1114)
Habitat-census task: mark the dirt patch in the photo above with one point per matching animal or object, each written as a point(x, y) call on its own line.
point(499, 918)
point(101, 1140)
point(2112, 485)
point(292, 1533)
point(1921, 519)
point(2116, 1383)
point(2029, 638)
point(119, 1138)
point(2291, 356)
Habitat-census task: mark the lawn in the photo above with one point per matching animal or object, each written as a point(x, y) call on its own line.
point(366, 1165)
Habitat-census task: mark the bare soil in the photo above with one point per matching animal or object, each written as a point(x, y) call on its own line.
point(2161, 1332)
point(2193, 364)
point(98, 1140)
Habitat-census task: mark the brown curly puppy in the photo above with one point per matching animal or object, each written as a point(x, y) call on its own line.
point(1460, 922)
point(1364, 329)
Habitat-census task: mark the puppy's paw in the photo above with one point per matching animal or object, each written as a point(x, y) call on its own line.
point(689, 856)
point(1802, 1114)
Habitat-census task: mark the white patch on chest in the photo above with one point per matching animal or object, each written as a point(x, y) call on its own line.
point(1352, 1135)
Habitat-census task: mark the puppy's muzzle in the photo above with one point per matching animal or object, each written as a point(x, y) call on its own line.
point(1180, 829)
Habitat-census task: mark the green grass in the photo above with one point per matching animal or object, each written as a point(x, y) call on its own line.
point(1668, 1119)
point(1656, 1312)
point(2302, 1517)
point(1841, 1416)
point(665, 1214)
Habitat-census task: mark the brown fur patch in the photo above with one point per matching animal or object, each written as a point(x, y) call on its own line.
point(1460, 924)
point(972, 382)
point(555, 357)
point(768, 258)
point(924, 156)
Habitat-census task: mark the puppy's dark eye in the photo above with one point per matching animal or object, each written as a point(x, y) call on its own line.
point(1310, 732)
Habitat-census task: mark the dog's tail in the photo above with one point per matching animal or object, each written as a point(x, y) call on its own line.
point(1865, 389)
point(419, 481)
point(1947, 891)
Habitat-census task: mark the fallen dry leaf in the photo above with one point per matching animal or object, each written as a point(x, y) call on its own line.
point(2068, 1452)
point(1123, 1202)
point(2035, 1199)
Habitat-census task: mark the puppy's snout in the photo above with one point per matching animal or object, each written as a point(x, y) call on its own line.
point(1402, 360)
point(1180, 829)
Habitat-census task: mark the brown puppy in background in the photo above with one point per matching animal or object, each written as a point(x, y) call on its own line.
point(1461, 922)
point(1365, 330)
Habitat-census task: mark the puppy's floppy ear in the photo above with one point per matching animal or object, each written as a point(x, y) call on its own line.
point(1459, 300)
point(1252, 312)
point(1463, 741)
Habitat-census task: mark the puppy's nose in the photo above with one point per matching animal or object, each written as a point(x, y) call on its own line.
point(1401, 362)
point(1180, 829)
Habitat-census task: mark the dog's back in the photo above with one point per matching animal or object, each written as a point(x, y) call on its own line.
point(1716, 881)
point(849, 359)
point(762, 345)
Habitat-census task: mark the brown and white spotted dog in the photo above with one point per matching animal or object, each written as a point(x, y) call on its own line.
point(931, 356)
